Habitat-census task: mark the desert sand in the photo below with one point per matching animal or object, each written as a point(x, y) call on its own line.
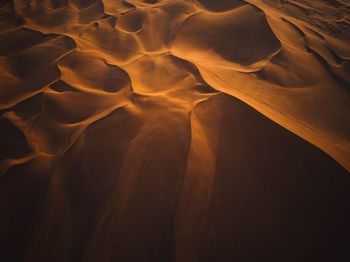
point(175, 130)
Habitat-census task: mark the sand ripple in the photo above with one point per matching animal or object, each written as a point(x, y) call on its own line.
point(180, 130)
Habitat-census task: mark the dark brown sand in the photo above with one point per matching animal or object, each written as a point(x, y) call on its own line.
point(175, 130)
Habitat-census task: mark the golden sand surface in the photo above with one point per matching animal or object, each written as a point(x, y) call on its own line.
point(175, 130)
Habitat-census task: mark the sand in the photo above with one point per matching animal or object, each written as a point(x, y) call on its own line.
point(174, 130)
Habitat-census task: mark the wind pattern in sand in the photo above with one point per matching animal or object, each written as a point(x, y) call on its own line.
point(174, 130)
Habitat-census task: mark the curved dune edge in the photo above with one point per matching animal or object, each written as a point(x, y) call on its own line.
point(156, 130)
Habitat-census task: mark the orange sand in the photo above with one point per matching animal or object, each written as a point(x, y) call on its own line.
point(174, 130)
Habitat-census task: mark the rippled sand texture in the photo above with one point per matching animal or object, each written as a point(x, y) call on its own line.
point(183, 130)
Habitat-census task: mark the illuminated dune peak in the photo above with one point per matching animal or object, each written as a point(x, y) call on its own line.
point(174, 130)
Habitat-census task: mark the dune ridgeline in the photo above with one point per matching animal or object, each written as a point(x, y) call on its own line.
point(174, 130)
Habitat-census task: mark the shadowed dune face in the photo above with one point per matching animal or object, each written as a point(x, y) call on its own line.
point(174, 130)
point(220, 5)
point(241, 36)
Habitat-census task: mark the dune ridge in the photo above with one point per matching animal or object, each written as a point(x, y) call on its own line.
point(182, 130)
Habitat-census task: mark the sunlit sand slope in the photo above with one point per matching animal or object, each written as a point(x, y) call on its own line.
point(174, 130)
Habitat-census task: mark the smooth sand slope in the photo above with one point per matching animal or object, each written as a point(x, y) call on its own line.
point(174, 130)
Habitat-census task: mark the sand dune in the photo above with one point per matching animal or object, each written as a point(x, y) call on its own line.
point(174, 130)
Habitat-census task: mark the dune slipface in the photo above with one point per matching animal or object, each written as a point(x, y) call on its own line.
point(174, 130)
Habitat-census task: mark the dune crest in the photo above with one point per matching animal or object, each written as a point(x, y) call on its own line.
point(174, 130)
